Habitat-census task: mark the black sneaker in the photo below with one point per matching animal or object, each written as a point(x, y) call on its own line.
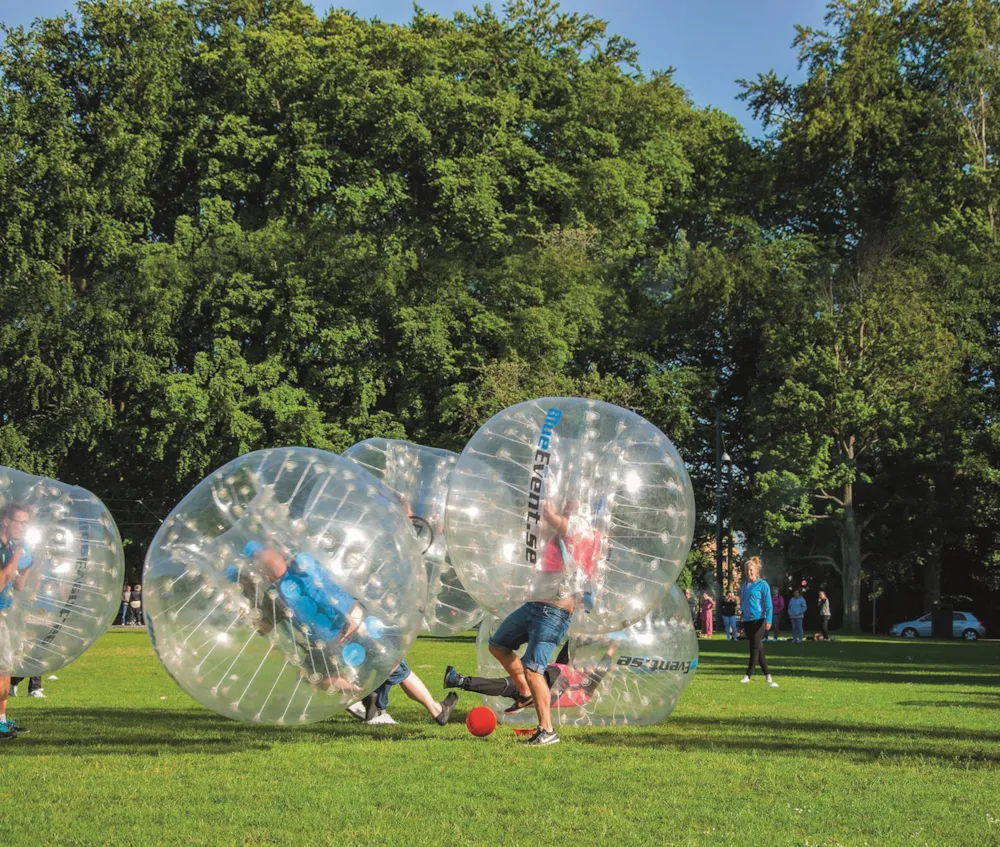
point(543, 736)
point(7, 732)
point(18, 729)
point(446, 707)
point(371, 709)
point(452, 678)
point(520, 704)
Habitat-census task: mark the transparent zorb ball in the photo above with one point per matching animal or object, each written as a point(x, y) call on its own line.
point(284, 587)
point(69, 573)
point(570, 498)
point(419, 477)
point(630, 677)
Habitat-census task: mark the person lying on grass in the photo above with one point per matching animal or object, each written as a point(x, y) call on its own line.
point(569, 686)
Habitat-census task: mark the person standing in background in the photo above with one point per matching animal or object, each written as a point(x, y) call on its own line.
point(796, 612)
point(755, 601)
point(729, 616)
point(34, 686)
point(135, 617)
point(707, 615)
point(692, 607)
point(778, 606)
point(126, 596)
point(824, 615)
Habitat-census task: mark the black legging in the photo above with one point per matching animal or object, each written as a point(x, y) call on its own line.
point(824, 624)
point(756, 630)
point(502, 686)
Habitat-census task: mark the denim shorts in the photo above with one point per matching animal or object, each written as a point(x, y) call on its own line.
point(542, 626)
point(399, 674)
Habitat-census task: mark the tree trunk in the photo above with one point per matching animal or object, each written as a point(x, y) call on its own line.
point(932, 581)
point(850, 548)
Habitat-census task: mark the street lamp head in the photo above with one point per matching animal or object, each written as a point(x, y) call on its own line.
point(726, 459)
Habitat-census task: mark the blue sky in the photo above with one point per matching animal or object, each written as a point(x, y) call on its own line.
point(710, 43)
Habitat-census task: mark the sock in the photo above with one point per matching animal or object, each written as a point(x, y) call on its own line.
point(3, 718)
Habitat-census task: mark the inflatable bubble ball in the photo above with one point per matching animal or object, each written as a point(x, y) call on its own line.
point(63, 567)
point(419, 477)
point(568, 498)
point(285, 586)
point(634, 676)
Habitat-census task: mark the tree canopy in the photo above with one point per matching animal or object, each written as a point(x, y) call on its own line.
point(232, 224)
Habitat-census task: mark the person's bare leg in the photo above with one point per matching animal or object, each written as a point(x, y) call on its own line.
point(515, 670)
point(414, 688)
point(4, 690)
point(540, 691)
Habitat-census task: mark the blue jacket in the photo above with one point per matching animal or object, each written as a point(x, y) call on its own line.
point(755, 601)
point(6, 552)
point(797, 607)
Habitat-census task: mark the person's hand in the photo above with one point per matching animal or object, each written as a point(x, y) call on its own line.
point(769, 627)
point(337, 683)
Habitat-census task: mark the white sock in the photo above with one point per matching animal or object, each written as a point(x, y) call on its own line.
point(3, 718)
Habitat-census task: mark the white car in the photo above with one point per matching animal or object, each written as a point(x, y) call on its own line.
point(965, 625)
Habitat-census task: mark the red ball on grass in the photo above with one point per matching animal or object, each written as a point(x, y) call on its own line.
point(481, 721)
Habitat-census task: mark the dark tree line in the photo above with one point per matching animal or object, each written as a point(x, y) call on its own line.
point(228, 224)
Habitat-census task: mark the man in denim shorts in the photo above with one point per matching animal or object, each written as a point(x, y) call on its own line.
point(543, 623)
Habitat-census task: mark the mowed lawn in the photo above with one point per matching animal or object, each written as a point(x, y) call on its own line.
point(867, 741)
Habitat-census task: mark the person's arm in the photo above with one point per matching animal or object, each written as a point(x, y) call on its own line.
point(768, 609)
point(9, 572)
point(23, 568)
point(560, 523)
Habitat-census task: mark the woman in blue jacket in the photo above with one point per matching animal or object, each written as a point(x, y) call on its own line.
point(755, 601)
point(796, 612)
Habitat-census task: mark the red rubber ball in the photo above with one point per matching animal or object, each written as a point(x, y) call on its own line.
point(481, 721)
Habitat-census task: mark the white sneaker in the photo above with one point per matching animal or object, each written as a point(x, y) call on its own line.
point(37, 693)
point(745, 678)
point(770, 682)
point(357, 710)
point(382, 718)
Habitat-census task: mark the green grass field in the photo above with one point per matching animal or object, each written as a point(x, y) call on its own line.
point(867, 741)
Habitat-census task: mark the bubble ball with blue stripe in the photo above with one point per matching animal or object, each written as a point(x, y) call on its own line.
point(568, 500)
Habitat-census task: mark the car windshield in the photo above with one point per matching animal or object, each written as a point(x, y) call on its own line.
point(924, 618)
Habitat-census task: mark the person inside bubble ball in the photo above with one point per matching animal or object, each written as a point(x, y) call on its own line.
point(15, 565)
point(566, 572)
point(322, 616)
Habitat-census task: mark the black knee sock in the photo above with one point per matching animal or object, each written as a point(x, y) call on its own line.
point(503, 687)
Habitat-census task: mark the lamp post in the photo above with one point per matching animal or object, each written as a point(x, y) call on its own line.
point(718, 496)
point(729, 516)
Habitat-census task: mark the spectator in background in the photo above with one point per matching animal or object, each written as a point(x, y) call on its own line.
point(796, 612)
point(692, 606)
point(729, 616)
point(34, 686)
point(755, 601)
point(126, 596)
point(777, 606)
point(707, 615)
point(824, 615)
point(135, 616)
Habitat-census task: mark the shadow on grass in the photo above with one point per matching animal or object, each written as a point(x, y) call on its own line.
point(117, 732)
point(934, 664)
point(859, 742)
point(457, 639)
point(952, 704)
